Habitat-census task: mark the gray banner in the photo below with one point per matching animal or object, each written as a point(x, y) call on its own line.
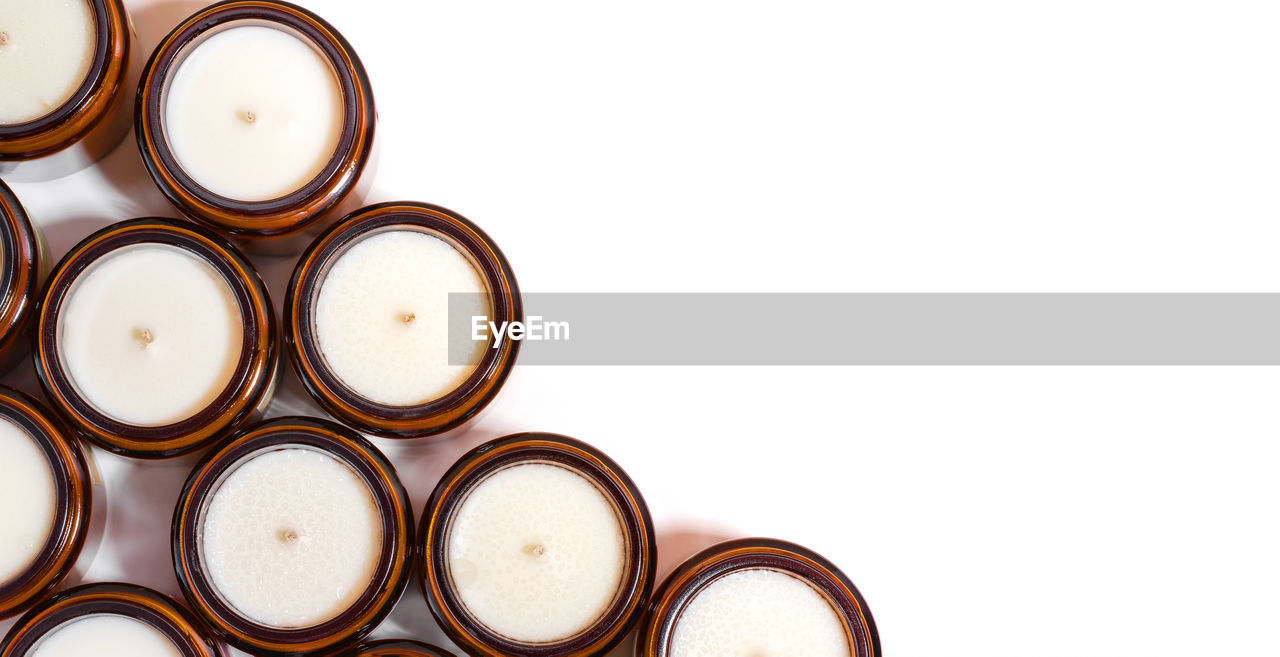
point(888, 329)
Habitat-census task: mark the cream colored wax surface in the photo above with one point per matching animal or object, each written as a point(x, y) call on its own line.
point(46, 48)
point(27, 500)
point(150, 334)
point(253, 113)
point(536, 552)
point(754, 612)
point(105, 635)
point(381, 317)
point(291, 538)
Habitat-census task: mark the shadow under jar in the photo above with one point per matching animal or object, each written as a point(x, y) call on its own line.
point(257, 118)
point(64, 69)
point(536, 545)
point(46, 501)
point(758, 596)
point(397, 648)
point(294, 538)
point(108, 620)
point(156, 337)
point(374, 312)
point(23, 259)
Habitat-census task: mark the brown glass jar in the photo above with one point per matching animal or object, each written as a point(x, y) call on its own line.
point(423, 419)
point(110, 599)
point(390, 576)
point(89, 123)
point(469, 632)
point(700, 570)
point(275, 225)
point(23, 259)
point(397, 648)
point(72, 504)
point(251, 382)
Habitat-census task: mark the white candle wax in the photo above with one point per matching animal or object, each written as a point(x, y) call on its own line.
point(291, 538)
point(46, 48)
point(150, 334)
point(253, 113)
point(381, 317)
point(27, 500)
point(755, 612)
point(105, 635)
point(536, 552)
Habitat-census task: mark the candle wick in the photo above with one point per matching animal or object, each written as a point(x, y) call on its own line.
point(250, 117)
point(146, 337)
point(4, 38)
point(409, 317)
point(288, 536)
point(537, 550)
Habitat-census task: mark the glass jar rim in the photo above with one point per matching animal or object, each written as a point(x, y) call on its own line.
point(697, 572)
point(432, 417)
point(254, 371)
point(300, 208)
point(73, 501)
point(391, 575)
point(633, 514)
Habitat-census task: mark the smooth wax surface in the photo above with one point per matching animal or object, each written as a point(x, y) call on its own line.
point(150, 334)
point(759, 612)
point(105, 635)
point(46, 48)
point(253, 113)
point(27, 500)
point(536, 552)
point(291, 538)
point(382, 316)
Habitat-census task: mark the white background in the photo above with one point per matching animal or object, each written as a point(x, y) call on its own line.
point(1117, 145)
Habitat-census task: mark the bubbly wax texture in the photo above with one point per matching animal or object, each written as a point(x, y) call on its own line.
point(536, 552)
point(150, 334)
point(755, 612)
point(105, 635)
point(253, 113)
point(27, 500)
point(46, 48)
point(291, 538)
point(382, 317)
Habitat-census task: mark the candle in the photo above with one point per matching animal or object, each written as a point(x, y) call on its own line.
point(368, 319)
point(291, 538)
point(536, 544)
point(150, 334)
point(21, 273)
point(256, 118)
point(759, 612)
point(536, 552)
point(108, 619)
point(253, 112)
point(27, 500)
point(382, 316)
point(46, 48)
point(105, 635)
point(155, 338)
point(758, 596)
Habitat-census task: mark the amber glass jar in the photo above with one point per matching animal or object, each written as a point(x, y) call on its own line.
point(151, 608)
point(72, 503)
point(23, 259)
point(277, 225)
point(637, 541)
point(250, 385)
point(424, 419)
point(704, 568)
point(389, 576)
point(89, 123)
